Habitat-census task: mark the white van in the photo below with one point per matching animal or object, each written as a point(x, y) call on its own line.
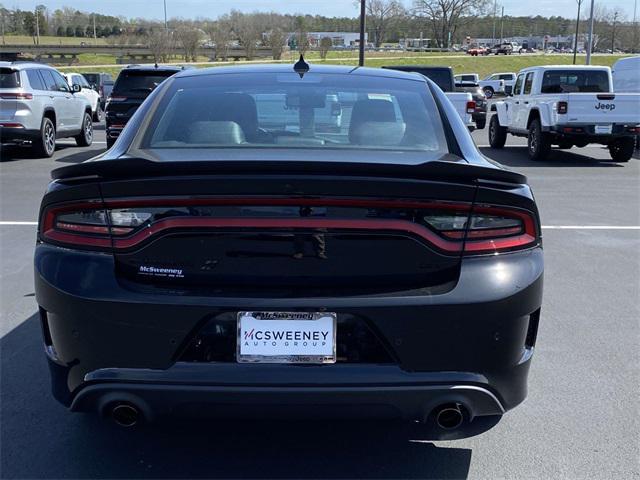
point(626, 75)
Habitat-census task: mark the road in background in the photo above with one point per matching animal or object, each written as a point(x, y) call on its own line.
point(580, 420)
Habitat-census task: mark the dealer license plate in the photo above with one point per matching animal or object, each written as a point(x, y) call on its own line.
point(603, 129)
point(286, 337)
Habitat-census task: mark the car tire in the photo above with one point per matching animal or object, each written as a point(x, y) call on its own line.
point(622, 149)
point(538, 142)
point(110, 142)
point(497, 133)
point(85, 137)
point(480, 124)
point(99, 114)
point(45, 144)
point(488, 92)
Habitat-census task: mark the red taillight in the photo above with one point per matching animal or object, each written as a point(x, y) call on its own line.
point(471, 107)
point(16, 96)
point(451, 227)
point(563, 107)
point(11, 125)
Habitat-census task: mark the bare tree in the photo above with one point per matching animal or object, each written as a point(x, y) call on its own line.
point(220, 35)
point(189, 38)
point(275, 35)
point(381, 15)
point(248, 30)
point(325, 45)
point(446, 16)
point(160, 43)
point(302, 35)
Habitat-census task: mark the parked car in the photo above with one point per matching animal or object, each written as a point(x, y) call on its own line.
point(502, 49)
point(101, 83)
point(210, 265)
point(38, 106)
point(626, 75)
point(132, 87)
point(475, 51)
point(467, 78)
point(479, 115)
point(86, 91)
point(443, 78)
point(567, 106)
point(498, 83)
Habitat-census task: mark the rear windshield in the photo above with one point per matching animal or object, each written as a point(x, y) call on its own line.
point(9, 78)
point(139, 83)
point(270, 110)
point(442, 78)
point(575, 81)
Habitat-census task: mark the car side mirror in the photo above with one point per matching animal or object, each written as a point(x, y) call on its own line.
point(76, 88)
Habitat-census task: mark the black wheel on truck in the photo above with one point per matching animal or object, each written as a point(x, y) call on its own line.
point(497, 133)
point(481, 123)
point(621, 149)
point(538, 142)
point(488, 92)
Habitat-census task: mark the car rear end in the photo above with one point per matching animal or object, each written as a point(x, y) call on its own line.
point(19, 116)
point(586, 110)
point(131, 88)
point(298, 279)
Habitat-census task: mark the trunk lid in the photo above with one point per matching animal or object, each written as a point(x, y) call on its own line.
point(601, 108)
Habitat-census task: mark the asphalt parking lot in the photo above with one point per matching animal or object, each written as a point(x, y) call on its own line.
point(580, 420)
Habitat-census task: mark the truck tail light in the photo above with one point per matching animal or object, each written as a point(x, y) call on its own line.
point(563, 107)
point(471, 107)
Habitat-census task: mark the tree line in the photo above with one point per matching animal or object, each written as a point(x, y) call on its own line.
point(444, 22)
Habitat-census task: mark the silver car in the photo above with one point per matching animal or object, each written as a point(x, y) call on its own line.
point(37, 105)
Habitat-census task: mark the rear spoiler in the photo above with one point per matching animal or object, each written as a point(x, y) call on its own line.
point(127, 168)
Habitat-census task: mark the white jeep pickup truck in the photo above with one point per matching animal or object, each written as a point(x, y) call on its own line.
point(497, 83)
point(567, 106)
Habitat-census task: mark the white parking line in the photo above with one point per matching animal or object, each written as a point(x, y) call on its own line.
point(544, 227)
point(73, 143)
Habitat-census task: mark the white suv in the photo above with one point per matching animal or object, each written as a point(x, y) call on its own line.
point(37, 105)
point(86, 91)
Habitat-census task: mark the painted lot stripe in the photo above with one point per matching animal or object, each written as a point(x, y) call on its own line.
point(544, 227)
point(62, 142)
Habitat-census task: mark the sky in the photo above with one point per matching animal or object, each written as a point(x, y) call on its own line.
point(153, 9)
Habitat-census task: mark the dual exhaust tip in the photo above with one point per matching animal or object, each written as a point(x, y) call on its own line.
point(448, 417)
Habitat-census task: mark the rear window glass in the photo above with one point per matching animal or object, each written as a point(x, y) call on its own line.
point(573, 81)
point(35, 80)
point(283, 111)
point(442, 78)
point(9, 78)
point(140, 83)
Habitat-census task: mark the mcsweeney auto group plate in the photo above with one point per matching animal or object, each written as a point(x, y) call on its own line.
point(286, 337)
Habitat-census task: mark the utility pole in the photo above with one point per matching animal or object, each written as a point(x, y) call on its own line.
point(590, 43)
point(495, 12)
point(613, 31)
point(502, 26)
point(165, 15)
point(575, 41)
point(363, 16)
point(635, 27)
point(95, 37)
point(37, 27)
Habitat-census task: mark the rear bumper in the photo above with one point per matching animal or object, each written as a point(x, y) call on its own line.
point(467, 345)
point(347, 391)
point(586, 132)
point(12, 134)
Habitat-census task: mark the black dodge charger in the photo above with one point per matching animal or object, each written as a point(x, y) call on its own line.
point(309, 241)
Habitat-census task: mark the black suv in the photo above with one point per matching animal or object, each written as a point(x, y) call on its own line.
point(132, 86)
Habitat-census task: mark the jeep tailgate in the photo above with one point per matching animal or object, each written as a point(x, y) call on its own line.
point(600, 108)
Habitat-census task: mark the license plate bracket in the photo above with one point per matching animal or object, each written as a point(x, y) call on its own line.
point(604, 129)
point(286, 337)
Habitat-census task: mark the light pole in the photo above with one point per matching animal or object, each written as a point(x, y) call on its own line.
point(165, 14)
point(575, 41)
point(635, 27)
point(613, 31)
point(502, 26)
point(363, 16)
point(590, 47)
point(495, 12)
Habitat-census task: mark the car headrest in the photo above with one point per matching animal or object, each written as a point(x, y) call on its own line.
point(370, 111)
point(377, 133)
point(216, 132)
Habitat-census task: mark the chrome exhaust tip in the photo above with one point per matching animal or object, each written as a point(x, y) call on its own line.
point(449, 417)
point(125, 415)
